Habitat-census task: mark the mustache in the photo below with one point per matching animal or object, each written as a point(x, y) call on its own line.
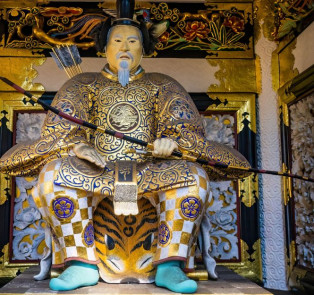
point(119, 54)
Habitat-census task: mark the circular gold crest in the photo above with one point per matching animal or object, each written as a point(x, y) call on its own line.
point(123, 117)
point(63, 207)
point(164, 234)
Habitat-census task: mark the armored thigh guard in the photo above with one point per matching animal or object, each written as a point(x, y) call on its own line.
point(180, 214)
point(69, 214)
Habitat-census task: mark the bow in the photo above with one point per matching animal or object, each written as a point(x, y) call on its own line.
point(149, 146)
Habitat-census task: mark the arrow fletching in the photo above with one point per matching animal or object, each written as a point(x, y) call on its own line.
point(67, 57)
point(57, 60)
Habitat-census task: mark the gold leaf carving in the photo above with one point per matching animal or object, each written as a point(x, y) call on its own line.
point(243, 81)
point(250, 266)
point(17, 68)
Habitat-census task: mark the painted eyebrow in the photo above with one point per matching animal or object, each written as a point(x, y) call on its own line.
point(117, 36)
point(132, 37)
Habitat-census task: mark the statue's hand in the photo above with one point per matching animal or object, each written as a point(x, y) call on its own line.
point(86, 152)
point(164, 147)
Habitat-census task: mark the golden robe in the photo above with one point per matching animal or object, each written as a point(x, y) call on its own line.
point(151, 106)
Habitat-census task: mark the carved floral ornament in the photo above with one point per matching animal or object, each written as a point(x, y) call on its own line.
point(302, 121)
point(213, 29)
point(289, 14)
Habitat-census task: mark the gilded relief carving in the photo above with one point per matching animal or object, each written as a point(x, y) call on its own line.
point(212, 30)
point(302, 121)
point(289, 16)
point(215, 29)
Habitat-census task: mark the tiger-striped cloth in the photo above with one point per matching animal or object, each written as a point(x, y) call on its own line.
point(69, 214)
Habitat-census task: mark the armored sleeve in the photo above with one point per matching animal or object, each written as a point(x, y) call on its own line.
point(180, 120)
point(58, 136)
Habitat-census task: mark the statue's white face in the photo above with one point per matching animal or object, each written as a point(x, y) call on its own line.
point(124, 44)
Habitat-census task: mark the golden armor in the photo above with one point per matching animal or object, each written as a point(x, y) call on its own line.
point(149, 107)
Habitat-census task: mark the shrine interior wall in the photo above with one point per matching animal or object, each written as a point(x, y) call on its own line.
point(259, 77)
point(197, 75)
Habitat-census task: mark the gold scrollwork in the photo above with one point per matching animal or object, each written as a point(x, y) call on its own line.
point(56, 19)
point(223, 29)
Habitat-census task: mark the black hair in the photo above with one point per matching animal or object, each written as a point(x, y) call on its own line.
point(101, 36)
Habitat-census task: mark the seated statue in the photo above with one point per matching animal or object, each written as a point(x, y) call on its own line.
point(78, 168)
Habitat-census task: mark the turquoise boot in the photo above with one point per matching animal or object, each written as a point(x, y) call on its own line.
point(78, 274)
point(170, 275)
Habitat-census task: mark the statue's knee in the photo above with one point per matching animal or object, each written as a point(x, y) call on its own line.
point(46, 177)
point(199, 174)
point(202, 181)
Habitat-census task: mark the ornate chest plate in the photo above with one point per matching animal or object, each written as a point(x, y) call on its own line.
point(123, 117)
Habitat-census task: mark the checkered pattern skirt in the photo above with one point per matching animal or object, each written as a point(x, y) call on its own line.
point(180, 214)
point(69, 214)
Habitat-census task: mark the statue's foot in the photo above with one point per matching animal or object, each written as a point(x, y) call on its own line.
point(169, 275)
point(78, 274)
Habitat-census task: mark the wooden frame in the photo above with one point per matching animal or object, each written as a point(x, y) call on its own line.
point(294, 90)
point(219, 30)
point(11, 104)
point(243, 105)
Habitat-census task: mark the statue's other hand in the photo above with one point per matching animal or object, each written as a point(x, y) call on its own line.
point(86, 152)
point(163, 147)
